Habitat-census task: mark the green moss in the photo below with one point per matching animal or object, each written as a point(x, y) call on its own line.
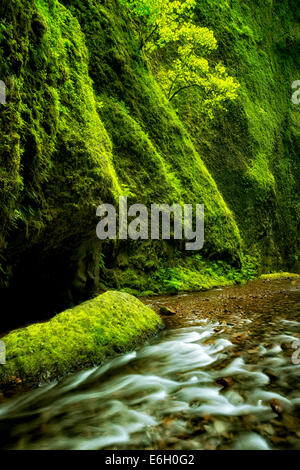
point(56, 157)
point(86, 121)
point(83, 336)
point(280, 275)
point(184, 273)
point(252, 150)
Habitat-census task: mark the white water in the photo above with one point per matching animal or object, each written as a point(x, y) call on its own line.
point(165, 395)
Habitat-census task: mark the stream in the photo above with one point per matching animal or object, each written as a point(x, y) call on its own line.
point(223, 374)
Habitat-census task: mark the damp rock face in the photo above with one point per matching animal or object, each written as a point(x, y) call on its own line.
point(85, 120)
point(76, 338)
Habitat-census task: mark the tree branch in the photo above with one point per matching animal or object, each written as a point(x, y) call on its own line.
point(183, 88)
point(175, 79)
point(144, 41)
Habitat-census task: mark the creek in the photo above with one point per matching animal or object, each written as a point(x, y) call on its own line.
point(219, 376)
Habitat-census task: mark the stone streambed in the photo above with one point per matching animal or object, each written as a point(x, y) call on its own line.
point(220, 376)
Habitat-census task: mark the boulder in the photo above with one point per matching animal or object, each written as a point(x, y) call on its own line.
point(166, 311)
point(80, 337)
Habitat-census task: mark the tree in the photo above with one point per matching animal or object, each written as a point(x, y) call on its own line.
point(168, 25)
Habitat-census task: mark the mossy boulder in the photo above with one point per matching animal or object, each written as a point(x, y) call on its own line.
point(280, 275)
point(79, 337)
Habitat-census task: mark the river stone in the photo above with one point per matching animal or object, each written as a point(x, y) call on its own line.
point(83, 336)
point(166, 311)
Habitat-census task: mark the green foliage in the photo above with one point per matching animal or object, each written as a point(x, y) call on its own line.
point(101, 261)
point(186, 47)
point(252, 149)
point(111, 323)
point(55, 155)
point(280, 275)
point(161, 17)
point(87, 118)
point(191, 272)
point(250, 267)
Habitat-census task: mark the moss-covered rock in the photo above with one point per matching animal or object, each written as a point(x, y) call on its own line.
point(280, 275)
point(83, 336)
point(86, 121)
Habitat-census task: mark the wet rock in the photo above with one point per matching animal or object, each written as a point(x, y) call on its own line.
point(276, 406)
point(272, 375)
point(250, 441)
point(220, 427)
point(278, 441)
point(167, 311)
point(225, 382)
point(237, 337)
point(266, 429)
point(76, 338)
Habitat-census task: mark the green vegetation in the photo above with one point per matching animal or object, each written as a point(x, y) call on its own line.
point(280, 275)
point(169, 26)
point(83, 336)
point(192, 273)
point(89, 117)
point(252, 150)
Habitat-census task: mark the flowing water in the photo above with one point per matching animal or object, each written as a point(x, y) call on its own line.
point(222, 375)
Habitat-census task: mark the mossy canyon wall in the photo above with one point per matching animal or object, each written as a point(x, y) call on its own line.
point(86, 121)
